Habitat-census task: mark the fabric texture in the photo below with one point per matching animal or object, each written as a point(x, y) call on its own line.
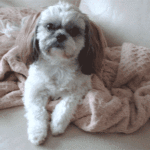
point(120, 98)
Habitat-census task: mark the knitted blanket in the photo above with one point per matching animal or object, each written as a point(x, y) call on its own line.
point(119, 100)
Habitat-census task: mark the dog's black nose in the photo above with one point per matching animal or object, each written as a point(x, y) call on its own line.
point(61, 38)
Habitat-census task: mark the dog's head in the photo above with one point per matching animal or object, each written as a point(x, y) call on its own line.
point(63, 33)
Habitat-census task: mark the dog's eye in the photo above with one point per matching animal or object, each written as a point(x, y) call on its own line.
point(74, 31)
point(50, 26)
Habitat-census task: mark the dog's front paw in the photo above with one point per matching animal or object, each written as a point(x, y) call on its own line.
point(56, 128)
point(58, 124)
point(37, 135)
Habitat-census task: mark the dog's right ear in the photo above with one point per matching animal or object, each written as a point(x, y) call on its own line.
point(35, 49)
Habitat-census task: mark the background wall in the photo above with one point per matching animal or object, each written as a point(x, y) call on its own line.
point(121, 20)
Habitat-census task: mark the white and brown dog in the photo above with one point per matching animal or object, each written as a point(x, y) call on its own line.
point(66, 49)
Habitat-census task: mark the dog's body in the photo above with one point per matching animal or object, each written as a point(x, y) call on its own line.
point(62, 68)
point(46, 80)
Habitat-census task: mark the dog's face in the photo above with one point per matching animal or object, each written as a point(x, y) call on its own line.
point(63, 34)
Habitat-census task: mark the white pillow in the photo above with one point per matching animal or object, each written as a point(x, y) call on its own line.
point(33, 3)
point(121, 20)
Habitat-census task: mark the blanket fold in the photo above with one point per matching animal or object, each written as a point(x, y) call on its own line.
point(120, 98)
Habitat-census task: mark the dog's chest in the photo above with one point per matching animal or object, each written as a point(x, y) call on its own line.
point(60, 79)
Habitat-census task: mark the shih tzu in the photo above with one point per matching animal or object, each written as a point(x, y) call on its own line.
point(67, 50)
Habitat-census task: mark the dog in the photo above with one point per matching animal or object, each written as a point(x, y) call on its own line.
point(66, 50)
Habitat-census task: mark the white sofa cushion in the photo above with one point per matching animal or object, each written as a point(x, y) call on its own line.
point(33, 3)
point(121, 20)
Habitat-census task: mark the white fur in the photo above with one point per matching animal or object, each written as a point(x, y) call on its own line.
point(54, 76)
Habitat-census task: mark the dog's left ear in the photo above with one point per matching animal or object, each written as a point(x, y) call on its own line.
point(24, 38)
point(91, 56)
point(35, 50)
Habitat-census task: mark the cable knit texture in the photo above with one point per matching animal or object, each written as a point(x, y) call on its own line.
point(120, 99)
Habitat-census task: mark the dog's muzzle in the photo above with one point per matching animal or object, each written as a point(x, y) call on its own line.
point(61, 38)
point(59, 41)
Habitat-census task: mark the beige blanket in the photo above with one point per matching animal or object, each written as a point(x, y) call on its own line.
point(120, 99)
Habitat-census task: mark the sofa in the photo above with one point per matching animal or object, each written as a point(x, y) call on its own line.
point(121, 21)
